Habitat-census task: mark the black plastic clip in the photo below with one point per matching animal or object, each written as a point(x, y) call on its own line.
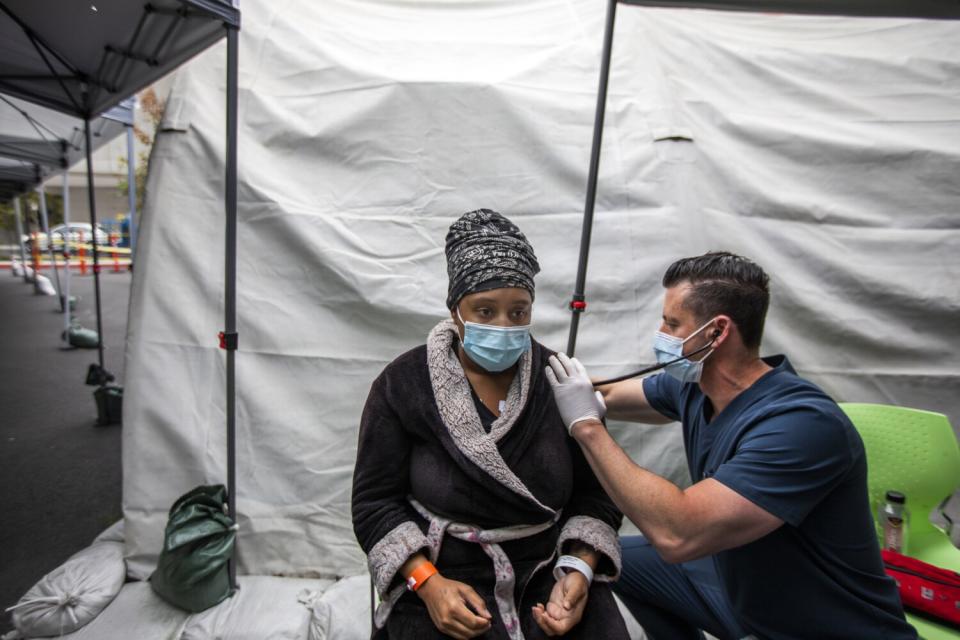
point(97, 376)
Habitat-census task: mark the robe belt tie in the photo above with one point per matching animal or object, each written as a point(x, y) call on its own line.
point(489, 540)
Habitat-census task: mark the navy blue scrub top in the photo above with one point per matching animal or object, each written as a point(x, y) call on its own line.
point(787, 447)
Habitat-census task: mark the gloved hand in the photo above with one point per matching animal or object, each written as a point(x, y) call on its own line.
point(573, 391)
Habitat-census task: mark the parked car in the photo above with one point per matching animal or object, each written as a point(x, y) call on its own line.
point(76, 231)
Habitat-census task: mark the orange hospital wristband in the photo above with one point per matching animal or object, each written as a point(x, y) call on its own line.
point(420, 575)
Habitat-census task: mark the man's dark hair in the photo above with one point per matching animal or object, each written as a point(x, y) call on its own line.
point(724, 283)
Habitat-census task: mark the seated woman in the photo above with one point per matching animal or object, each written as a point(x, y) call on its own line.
point(467, 486)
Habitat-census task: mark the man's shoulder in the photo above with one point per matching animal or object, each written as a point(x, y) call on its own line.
point(794, 408)
point(785, 390)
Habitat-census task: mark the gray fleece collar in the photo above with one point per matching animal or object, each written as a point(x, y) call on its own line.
point(451, 389)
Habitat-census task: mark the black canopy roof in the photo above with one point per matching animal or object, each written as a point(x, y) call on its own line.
point(36, 142)
point(84, 57)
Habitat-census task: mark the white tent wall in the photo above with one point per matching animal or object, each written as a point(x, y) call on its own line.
point(827, 149)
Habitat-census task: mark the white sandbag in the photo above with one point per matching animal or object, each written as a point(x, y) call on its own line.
point(113, 533)
point(28, 273)
point(44, 286)
point(342, 612)
point(636, 632)
point(137, 613)
point(16, 268)
point(264, 608)
point(634, 629)
point(73, 594)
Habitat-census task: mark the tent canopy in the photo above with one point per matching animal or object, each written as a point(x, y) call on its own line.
point(366, 132)
point(938, 9)
point(941, 9)
point(125, 47)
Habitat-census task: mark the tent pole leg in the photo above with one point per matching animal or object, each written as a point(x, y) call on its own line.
point(46, 229)
point(35, 247)
point(68, 252)
point(131, 192)
point(93, 223)
point(578, 302)
point(230, 296)
point(19, 220)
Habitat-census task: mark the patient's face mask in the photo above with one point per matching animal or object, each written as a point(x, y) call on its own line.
point(668, 348)
point(494, 348)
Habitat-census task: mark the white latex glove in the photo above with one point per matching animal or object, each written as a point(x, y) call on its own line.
point(573, 391)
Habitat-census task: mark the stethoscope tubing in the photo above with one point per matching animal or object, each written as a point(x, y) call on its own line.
point(647, 370)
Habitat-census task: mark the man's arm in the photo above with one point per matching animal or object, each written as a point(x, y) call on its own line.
point(681, 524)
point(625, 400)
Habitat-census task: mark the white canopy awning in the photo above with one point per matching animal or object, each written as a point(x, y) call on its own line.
point(941, 9)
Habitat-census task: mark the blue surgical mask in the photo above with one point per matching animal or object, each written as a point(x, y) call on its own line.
point(668, 348)
point(494, 348)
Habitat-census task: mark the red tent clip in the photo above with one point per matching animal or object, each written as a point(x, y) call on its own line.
point(578, 305)
point(229, 340)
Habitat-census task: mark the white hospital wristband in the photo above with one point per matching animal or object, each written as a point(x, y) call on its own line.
point(575, 563)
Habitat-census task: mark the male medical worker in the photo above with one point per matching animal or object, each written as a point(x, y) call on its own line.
point(774, 539)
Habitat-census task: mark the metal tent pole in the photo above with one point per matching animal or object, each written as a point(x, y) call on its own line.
point(131, 193)
point(67, 254)
point(93, 223)
point(578, 303)
point(46, 229)
point(34, 243)
point(230, 271)
point(19, 221)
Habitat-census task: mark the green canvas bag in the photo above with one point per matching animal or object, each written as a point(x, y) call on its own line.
point(197, 543)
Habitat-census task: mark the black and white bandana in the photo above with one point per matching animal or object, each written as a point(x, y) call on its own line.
point(486, 251)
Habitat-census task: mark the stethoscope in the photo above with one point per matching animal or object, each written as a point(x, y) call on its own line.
point(659, 366)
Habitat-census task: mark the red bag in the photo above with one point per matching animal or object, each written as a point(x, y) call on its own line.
point(924, 587)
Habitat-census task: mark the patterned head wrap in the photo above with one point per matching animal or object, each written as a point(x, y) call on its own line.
point(486, 251)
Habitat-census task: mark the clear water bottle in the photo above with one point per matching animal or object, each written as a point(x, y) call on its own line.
point(894, 518)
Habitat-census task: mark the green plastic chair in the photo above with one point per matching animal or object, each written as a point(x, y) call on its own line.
point(914, 452)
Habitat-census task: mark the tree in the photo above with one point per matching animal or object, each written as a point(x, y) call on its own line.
point(153, 107)
point(29, 203)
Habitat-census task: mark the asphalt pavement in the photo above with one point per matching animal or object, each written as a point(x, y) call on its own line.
point(60, 474)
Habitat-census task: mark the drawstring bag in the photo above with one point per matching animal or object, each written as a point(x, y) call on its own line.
point(925, 588)
point(73, 594)
point(197, 543)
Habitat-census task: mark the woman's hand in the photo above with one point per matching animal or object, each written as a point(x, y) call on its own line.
point(455, 608)
point(565, 608)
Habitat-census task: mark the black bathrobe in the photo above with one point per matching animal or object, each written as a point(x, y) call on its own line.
point(421, 437)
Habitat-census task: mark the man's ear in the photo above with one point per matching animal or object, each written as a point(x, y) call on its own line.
point(721, 330)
